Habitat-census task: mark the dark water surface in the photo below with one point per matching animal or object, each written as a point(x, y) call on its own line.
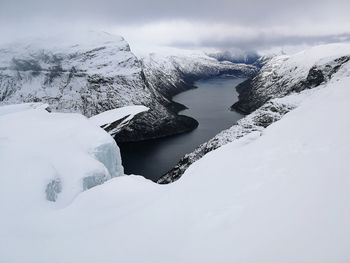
point(209, 104)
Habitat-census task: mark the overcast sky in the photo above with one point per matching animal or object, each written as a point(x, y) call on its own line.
point(244, 24)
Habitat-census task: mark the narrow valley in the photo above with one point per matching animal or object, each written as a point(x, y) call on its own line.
point(209, 104)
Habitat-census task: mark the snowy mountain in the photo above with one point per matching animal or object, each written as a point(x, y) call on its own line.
point(264, 95)
point(88, 74)
point(279, 193)
point(284, 74)
point(94, 72)
point(71, 75)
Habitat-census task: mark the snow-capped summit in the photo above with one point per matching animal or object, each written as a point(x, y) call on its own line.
point(89, 73)
point(88, 53)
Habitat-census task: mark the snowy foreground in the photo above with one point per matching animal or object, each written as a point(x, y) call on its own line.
point(281, 195)
point(52, 155)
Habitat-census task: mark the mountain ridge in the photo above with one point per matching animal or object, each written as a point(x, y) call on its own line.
point(98, 72)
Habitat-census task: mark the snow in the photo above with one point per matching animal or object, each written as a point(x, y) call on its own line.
point(22, 107)
point(280, 195)
point(111, 116)
point(91, 52)
point(54, 153)
point(283, 194)
point(296, 67)
point(115, 120)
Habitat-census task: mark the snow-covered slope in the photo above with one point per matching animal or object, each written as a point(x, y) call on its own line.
point(257, 121)
point(263, 95)
point(282, 75)
point(276, 195)
point(56, 155)
point(14, 108)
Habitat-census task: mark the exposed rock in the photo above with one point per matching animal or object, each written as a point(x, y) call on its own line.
point(94, 180)
point(147, 126)
point(53, 189)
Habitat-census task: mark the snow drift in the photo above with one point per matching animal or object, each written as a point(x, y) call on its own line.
point(55, 154)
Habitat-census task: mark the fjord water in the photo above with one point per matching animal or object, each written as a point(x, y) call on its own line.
point(209, 104)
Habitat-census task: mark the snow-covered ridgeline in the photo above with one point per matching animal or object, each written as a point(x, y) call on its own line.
point(88, 74)
point(277, 195)
point(267, 95)
point(282, 75)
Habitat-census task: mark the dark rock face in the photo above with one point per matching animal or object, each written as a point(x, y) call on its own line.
point(53, 189)
point(148, 125)
point(315, 77)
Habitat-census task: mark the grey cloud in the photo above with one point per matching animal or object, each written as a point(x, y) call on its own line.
point(139, 11)
point(21, 17)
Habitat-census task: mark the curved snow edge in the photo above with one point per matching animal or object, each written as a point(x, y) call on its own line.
point(59, 154)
